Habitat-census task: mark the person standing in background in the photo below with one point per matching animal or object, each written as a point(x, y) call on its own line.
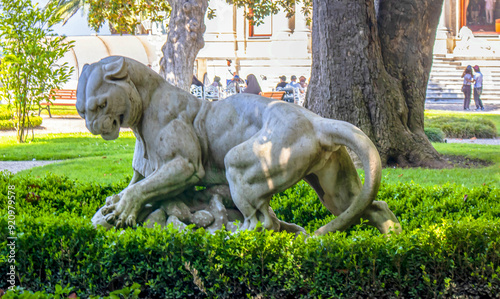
point(478, 87)
point(297, 88)
point(282, 83)
point(466, 87)
point(302, 82)
point(489, 8)
point(253, 86)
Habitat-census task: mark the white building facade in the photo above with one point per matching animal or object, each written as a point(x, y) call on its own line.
point(280, 46)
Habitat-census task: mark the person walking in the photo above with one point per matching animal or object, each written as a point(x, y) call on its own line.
point(466, 87)
point(478, 87)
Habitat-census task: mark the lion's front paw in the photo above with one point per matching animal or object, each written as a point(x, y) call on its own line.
point(120, 211)
point(110, 206)
point(112, 199)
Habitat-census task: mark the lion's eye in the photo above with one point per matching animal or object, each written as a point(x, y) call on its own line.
point(103, 103)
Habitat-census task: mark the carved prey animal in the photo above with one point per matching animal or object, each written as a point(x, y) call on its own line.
point(254, 145)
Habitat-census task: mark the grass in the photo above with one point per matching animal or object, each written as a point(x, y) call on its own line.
point(468, 177)
point(94, 160)
point(60, 110)
point(91, 159)
point(65, 146)
point(54, 110)
point(99, 170)
point(88, 158)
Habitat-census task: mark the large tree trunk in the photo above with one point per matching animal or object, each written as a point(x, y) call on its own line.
point(373, 73)
point(184, 41)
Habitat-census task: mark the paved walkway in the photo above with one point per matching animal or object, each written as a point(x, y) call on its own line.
point(74, 124)
point(490, 107)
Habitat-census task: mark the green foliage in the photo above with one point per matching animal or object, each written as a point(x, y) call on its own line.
point(457, 127)
point(124, 15)
point(30, 51)
point(131, 292)
point(495, 118)
point(67, 8)
point(7, 120)
point(434, 134)
point(5, 113)
point(450, 247)
point(258, 10)
point(410, 202)
point(34, 122)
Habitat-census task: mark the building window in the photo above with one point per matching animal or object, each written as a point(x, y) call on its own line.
point(265, 29)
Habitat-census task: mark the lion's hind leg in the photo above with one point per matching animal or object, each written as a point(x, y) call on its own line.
point(337, 185)
point(379, 215)
point(265, 165)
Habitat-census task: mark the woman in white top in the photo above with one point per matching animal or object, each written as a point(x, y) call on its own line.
point(466, 88)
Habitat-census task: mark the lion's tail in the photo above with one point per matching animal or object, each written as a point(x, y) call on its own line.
point(343, 133)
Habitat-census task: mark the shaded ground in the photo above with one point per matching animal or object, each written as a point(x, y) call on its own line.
point(464, 162)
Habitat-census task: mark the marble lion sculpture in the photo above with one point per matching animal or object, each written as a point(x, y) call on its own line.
point(250, 145)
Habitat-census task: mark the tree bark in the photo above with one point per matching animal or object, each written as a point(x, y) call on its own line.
point(184, 41)
point(373, 72)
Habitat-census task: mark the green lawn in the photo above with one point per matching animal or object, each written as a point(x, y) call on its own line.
point(60, 110)
point(101, 170)
point(88, 158)
point(468, 177)
point(91, 159)
point(65, 146)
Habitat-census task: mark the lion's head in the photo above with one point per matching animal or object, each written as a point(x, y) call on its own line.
point(107, 98)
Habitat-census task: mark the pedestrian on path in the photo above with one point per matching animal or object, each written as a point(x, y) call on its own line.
point(478, 87)
point(466, 87)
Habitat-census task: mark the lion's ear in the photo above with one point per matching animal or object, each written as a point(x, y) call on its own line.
point(85, 66)
point(116, 70)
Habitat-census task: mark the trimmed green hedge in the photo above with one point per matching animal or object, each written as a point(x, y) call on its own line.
point(456, 127)
point(434, 134)
point(450, 247)
point(7, 122)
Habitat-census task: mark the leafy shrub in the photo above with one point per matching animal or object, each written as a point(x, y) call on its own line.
point(5, 113)
point(9, 124)
point(450, 247)
point(7, 120)
point(456, 127)
point(434, 134)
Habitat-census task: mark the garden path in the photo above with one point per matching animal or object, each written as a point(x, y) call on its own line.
point(75, 124)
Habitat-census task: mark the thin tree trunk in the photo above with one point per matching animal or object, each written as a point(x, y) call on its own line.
point(184, 41)
point(374, 74)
